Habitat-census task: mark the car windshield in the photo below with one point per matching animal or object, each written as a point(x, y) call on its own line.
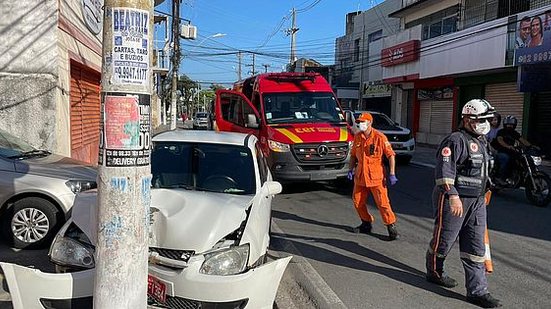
point(300, 107)
point(203, 167)
point(380, 121)
point(201, 115)
point(11, 146)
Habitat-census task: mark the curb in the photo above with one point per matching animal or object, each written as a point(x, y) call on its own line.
point(308, 278)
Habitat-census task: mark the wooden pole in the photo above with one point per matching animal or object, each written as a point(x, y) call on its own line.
point(124, 180)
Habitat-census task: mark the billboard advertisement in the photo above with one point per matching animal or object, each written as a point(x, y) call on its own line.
point(533, 39)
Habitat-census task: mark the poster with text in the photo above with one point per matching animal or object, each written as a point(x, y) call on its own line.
point(130, 53)
point(126, 136)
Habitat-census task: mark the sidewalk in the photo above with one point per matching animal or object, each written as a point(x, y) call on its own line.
point(425, 155)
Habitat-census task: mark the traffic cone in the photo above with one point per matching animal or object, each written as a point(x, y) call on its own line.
point(487, 256)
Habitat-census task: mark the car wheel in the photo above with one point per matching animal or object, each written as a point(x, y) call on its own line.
point(30, 223)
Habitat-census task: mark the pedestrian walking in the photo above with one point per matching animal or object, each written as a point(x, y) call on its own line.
point(461, 174)
point(367, 171)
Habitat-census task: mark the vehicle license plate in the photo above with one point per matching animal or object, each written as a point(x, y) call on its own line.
point(156, 289)
point(397, 145)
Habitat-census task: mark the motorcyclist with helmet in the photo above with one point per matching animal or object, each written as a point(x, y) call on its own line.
point(504, 144)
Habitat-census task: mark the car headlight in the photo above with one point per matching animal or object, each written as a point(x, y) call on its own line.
point(68, 252)
point(226, 262)
point(278, 147)
point(537, 160)
point(80, 185)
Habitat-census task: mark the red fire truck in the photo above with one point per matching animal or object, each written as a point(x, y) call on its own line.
point(297, 119)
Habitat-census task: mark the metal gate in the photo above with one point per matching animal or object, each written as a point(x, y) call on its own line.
point(85, 113)
point(506, 100)
point(435, 120)
point(539, 130)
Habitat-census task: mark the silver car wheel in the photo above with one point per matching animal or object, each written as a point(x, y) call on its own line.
point(30, 225)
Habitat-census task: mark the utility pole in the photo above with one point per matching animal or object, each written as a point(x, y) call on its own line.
point(175, 60)
point(253, 66)
point(266, 66)
point(124, 170)
point(292, 32)
point(239, 65)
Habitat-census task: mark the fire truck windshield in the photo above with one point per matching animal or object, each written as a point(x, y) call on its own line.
point(300, 107)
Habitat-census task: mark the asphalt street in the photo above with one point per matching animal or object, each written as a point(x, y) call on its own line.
point(368, 271)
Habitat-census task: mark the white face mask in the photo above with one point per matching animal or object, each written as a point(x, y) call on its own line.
point(482, 128)
point(363, 126)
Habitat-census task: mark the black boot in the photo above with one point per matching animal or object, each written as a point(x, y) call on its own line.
point(364, 228)
point(436, 274)
point(392, 232)
point(484, 301)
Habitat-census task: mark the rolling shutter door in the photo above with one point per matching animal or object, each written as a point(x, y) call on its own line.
point(85, 113)
point(435, 120)
point(441, 117)
point(506, 100)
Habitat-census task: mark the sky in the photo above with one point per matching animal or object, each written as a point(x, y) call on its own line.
point(225, 27)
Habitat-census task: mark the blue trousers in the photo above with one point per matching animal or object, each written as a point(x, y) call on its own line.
point(470, 229)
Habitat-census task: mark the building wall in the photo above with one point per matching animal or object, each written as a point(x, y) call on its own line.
point(78, 43)
point(427, 10)
point(28, 70)
point(478, 48)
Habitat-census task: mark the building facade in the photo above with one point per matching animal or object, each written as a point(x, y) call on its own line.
point(450, 51)
point(50, 74)
point(358, 76)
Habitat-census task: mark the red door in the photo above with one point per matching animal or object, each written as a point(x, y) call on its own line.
point(235, 113)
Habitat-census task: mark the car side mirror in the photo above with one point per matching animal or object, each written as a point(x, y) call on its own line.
point(252, 121)
point(272, 187)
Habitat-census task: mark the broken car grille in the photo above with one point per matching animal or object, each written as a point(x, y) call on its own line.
point(179, 255)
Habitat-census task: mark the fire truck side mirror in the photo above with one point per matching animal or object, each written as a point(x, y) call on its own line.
point(349, 118)
point(252, 121)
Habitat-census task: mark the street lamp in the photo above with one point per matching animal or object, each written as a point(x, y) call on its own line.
point(214, 36)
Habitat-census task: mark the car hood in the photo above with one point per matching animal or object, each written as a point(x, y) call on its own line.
point(393, 130)
point(180, 219)
point(56, 166)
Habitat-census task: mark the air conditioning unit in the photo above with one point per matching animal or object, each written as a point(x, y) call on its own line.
point(188, 32)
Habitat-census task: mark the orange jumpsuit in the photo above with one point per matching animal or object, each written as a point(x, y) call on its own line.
point(369, 175)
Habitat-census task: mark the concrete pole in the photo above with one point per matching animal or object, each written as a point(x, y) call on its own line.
point(175, 60)
point(124, 180)
point(293, 32)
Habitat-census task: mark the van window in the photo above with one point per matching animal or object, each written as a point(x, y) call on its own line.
point(235, 110)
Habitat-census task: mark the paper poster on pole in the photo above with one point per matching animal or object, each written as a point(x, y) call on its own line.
point(130, 46)
point(125, 137)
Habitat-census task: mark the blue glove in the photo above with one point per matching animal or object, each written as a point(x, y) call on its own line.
point(350, 175)
point(393, 180)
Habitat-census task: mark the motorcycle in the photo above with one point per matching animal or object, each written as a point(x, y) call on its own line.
point(525, 172)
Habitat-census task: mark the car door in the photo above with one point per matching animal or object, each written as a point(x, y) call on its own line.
point(235, 113)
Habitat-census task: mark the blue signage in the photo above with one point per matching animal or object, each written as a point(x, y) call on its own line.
point(533, 39)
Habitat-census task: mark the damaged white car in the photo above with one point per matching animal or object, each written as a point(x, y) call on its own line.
point(210, 221)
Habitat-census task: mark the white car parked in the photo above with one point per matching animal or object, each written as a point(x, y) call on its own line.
point(210, 221)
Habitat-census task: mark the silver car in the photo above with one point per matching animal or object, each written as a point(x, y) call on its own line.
point(37, 190)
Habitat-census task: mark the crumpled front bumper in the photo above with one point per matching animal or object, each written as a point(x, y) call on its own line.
point(33, 289)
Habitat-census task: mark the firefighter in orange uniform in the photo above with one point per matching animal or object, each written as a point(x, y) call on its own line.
point(367, 170)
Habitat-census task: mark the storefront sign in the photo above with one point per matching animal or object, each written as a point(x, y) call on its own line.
point(533, 39)
point(380, 90)
point(125, 135)
point(401, 53)
point(93, 14)
point(130, 46)
point(444, 93)
point(534, 78)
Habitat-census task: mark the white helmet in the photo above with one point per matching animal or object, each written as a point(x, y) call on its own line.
point(478, 109)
